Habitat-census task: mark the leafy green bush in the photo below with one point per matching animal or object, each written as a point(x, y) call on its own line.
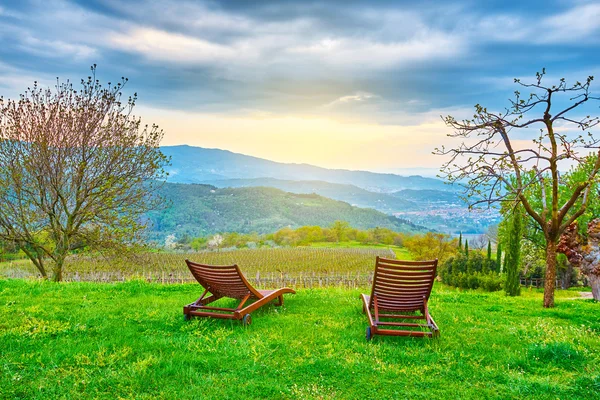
point(472, 272)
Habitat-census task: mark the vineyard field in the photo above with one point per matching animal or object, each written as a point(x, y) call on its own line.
point(265, 267)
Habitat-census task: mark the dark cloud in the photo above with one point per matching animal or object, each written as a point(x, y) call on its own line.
point(301, 56)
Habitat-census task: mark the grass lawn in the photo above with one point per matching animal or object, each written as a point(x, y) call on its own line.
point(130, 340)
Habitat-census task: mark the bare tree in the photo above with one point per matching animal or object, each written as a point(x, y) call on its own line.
point(216, 241)
point(492, 234)
point(77, 170)
point(479, 242)
point(497, 166)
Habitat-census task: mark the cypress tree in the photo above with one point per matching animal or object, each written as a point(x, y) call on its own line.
point(498, 256)
point(489, 250)
point(467, 248)
point(512, 257)
point(460, 242)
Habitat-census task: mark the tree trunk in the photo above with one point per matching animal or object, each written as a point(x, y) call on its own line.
point(58, 268)
point(549, 284)
point(37, 261)
point(57, 276)
point(40, 268)
point(595, 284)
point(568, 276)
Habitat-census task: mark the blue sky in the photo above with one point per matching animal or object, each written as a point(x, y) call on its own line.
point(347, 84)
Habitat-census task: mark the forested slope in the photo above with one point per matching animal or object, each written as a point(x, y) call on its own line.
point(199, 210)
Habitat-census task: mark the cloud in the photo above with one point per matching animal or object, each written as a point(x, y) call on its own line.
point(14, 81)
point(305, 42)
point(9, 13)
point(58, 48)
point(353, 98)
point(353, 53)
point(388, 63)
point(175, 48)
point(579, 23)
point(576, 25)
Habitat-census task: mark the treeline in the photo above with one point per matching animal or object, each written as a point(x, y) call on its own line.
point(9, 251)
point(338, 232)
point(427, 246)
point(473, 269)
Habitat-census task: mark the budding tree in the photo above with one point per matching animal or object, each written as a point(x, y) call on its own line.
point(499, 160)
point(77, 169)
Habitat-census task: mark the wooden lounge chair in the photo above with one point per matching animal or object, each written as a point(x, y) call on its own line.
point(228, 281)
point(400, 289)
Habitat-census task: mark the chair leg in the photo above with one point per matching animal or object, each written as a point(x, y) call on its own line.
point(279, 301)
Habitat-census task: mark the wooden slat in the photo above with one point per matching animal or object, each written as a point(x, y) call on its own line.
point(390, 303)
point(212, 314)
point(402, 316)
point(408, 288)
point(404, 262)
point(388, 296)
point(419, 292)
point(383, 277)
point(390, 300)
point(230, 283)
point(394, 292)
point(394, 284)
point(407, 273)
point(403, 278)
point(404, 269)
point(224, 278)
point(210, 266)
point(399, 272)
point(404, 324)
point(391, 332)
point(402, 287)
point(214, 274)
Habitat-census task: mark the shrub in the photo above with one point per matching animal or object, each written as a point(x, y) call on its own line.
point(471, 272)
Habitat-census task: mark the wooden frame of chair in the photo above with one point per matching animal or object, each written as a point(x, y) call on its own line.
point(228, 281)
point(400, 288)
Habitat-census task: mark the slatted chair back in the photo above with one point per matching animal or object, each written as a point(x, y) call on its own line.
point(223, 280)
point(402, 285)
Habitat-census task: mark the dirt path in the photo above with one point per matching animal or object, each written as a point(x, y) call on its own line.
point(582, 295)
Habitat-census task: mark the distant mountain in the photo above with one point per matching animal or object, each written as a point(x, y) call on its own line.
point(200, 165)
point(199, 210)
point(351, 194)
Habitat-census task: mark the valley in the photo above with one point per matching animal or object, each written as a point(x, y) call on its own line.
point(428, 203)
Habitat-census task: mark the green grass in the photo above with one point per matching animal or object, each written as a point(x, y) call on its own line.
point(129, 340)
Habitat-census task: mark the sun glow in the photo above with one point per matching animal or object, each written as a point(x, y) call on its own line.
point(322, 141)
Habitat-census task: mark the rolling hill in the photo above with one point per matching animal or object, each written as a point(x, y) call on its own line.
point(423, 201)
point(351, 194)
point(199, 165)
point(199, 210)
